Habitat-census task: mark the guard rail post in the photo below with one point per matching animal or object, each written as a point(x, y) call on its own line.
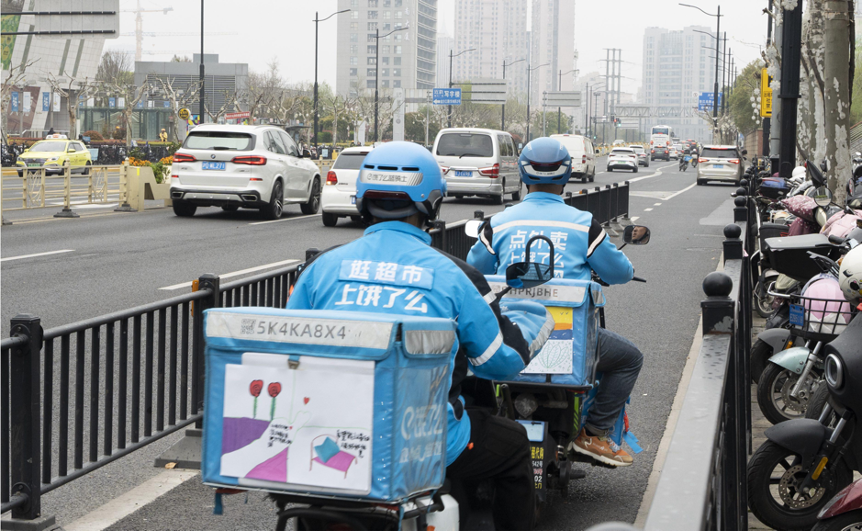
point(3, 219)
point(67, 211)
point(124, 190)
point(186, 452)
point(479, 214)
point(611, 206)
point(25, 402)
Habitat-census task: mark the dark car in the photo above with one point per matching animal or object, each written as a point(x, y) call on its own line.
point(659, 152)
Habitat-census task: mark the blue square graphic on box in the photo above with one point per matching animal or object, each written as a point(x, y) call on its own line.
point(326, 403)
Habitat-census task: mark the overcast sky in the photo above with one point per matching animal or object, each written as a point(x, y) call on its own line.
point(283, 30)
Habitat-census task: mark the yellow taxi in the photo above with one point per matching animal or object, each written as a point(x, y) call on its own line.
point(54, 153)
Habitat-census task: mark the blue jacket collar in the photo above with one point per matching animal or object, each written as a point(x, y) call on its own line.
point(400, 226)
point(543, 197)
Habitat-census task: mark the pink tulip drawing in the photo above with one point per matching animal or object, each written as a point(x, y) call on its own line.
point(255, 388)
point(273, 389)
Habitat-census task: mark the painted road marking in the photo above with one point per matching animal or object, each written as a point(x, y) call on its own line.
point(635, 218)
point(234, 274)
point(681, 191)
point(647, 210)
point(657, 204)
point(285, 219)
point(35, 255)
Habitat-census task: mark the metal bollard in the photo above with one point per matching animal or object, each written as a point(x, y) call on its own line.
point(717, 308)
point(732, 243)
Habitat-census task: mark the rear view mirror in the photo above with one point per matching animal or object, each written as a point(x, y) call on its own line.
point(815, 173)
point(745, 152)
point(597, 152)
point(471, 228)
point(824, 166)
point(636, 235)
point(306, 154)
point(823, 196)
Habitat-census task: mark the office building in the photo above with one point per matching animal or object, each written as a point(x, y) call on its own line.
point(677, 67)
point(444, 46)
point(552, 42)
point(497, 30)
point(408, 58)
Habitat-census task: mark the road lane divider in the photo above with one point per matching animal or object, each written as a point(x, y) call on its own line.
point(686, 189)
point(36, 255)
point(231, 275)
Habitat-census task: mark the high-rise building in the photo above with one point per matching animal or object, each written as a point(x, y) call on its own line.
point(497, 30)
point(553, 42)
point(444, 46)
point(407, 58)
point(677, 67)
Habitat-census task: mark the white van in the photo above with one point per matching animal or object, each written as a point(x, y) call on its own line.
point(583, 156)
point(481, 162)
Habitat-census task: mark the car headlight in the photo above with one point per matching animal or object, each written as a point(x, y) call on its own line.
point(834, 371)
point(52, 159)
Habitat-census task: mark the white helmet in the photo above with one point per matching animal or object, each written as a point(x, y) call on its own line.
point(798, 171)
point(850, 275)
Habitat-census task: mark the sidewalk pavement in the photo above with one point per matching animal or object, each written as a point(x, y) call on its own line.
point(758, 421)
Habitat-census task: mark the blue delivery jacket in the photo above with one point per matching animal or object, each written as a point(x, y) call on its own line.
point(580, 242)
point(393, 269)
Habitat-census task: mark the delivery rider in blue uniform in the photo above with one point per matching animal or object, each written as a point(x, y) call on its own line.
point(580, 244)
point(393, 269)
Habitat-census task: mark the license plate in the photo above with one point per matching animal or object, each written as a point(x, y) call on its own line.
point(33, 165)
point(535, 430)
point(213, 165)
point(797, 315)
point(352, 199)
point(463, 174)
point(718, 166)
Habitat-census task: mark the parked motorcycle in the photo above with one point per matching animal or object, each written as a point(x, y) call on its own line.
point(805, 462)
point(844, 510)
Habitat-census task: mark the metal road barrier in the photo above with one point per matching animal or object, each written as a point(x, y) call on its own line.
point(703, 481)
point(39, 189)
point(79, 396)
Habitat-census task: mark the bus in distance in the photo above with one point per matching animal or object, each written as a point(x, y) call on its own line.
point(660, 135)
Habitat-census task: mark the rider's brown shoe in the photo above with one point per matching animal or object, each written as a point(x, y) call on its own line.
point(601, 448)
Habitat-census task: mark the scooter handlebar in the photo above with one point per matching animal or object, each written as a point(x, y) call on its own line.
point(638, 279)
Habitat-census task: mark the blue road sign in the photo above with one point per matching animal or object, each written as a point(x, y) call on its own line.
point(112, 102)
point(446, 96)
point(14, 102)
point(46, 101)
point(704, 101)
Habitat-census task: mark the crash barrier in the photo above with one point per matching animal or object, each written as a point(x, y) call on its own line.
point(80, 396)
point(703, 481)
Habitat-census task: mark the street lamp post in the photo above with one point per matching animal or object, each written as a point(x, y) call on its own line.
point(377, 38)
point(560, 87)
point(317, 20)
point(503, 115)
point(203, 92)
point(449, 107)
point(529, 87)
point(717, 55)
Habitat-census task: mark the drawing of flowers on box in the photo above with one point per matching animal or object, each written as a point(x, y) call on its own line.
point(319, 428)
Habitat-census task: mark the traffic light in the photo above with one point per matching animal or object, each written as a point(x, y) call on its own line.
point(616, 122)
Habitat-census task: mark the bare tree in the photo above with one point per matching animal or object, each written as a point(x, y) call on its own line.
point(338, 104)
point(116, 66)
point(178, 98)
point(285, 105)
point(131, 96)
point(17, 76)
point(67, 89)
point(230, 102)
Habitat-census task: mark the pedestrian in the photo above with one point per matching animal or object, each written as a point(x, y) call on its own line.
point(50, 131)
point(163, 136)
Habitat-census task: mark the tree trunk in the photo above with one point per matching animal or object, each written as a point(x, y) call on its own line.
point(816, 47)
point(334, 125)
point(837, 94)
point(127, 116)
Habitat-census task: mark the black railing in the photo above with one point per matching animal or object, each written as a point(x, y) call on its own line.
point(113, 384)
point(703, 481)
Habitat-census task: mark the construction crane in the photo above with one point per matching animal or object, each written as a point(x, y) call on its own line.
point(139, 26)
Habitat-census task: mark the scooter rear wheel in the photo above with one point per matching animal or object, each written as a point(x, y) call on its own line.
point(774, 472)
point(843, 522)
point(773, 394)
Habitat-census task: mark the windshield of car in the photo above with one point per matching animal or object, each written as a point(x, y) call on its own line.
point(465, 145)
point(711, 153)
point(622, 152)
point(48, 147)
point(637, 149)
point(349, 161)
point(219, 140)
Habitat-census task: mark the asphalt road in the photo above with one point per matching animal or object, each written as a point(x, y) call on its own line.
point(116, 261)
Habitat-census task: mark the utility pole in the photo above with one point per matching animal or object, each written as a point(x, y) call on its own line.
point(791, 44)
point(767, 122)
point(203, 98)
point(506, 88)
point(724, 76)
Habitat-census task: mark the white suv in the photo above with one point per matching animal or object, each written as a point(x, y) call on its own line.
point(243, 166)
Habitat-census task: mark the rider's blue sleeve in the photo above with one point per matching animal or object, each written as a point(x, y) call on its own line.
point(603, 256)
point(480, 335)
point(481, 259)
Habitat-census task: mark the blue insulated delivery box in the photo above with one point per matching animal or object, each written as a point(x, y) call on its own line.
point(328, 403)
point(569, 355)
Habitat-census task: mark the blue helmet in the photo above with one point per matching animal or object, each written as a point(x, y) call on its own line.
point(399, 179)
point(545, 161)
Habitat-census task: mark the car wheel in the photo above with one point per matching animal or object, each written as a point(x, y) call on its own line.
point(636, 169)
point(183, 209)
point(230, 208)
point(313, 204)
point(356, 219)
point(329, 220)
point(610, 170)
point(275, 208)
point(516, 196)
point(497, 199)
point(87, 168)
point(700, 182)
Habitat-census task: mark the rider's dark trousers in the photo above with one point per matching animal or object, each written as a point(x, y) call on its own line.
point(500, 451)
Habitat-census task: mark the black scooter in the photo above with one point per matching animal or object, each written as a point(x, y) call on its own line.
point(805, 462)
